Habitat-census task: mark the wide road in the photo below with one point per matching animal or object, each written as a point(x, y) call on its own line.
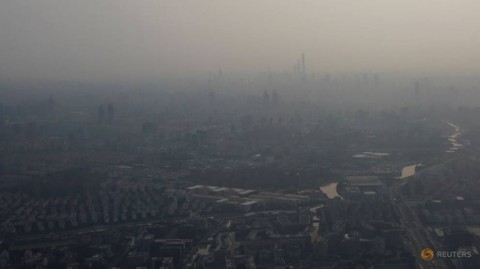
point(419, 236)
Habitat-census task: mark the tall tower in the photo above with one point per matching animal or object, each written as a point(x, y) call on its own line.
point(304, 71)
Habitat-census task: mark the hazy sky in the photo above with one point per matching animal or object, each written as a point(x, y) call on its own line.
point(137, 39)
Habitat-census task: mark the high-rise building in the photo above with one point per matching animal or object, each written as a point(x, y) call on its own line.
point(110, 113)
point(2, 117)
point(304, 71)
point(174, 248)
point(101, 113)
point(162, 263)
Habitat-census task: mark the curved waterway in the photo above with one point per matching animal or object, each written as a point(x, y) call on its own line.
point(453, 138)
point(408, 171)
point(331, 190)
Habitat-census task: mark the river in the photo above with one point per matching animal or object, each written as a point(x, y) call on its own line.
point(331, 190)
point(453, 138)
point(408, 171)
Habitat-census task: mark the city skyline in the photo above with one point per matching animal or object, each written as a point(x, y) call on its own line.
point(116, 40)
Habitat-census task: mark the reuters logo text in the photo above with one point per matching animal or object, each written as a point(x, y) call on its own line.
point(428, 254)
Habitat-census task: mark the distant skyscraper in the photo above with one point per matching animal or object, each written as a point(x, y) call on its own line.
point(303, 64)
point(417, 87)
point(266, 97)
point(110, 113)
point(1, 115)
point(275, 97)
point(300, 67)
point(101, 113)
